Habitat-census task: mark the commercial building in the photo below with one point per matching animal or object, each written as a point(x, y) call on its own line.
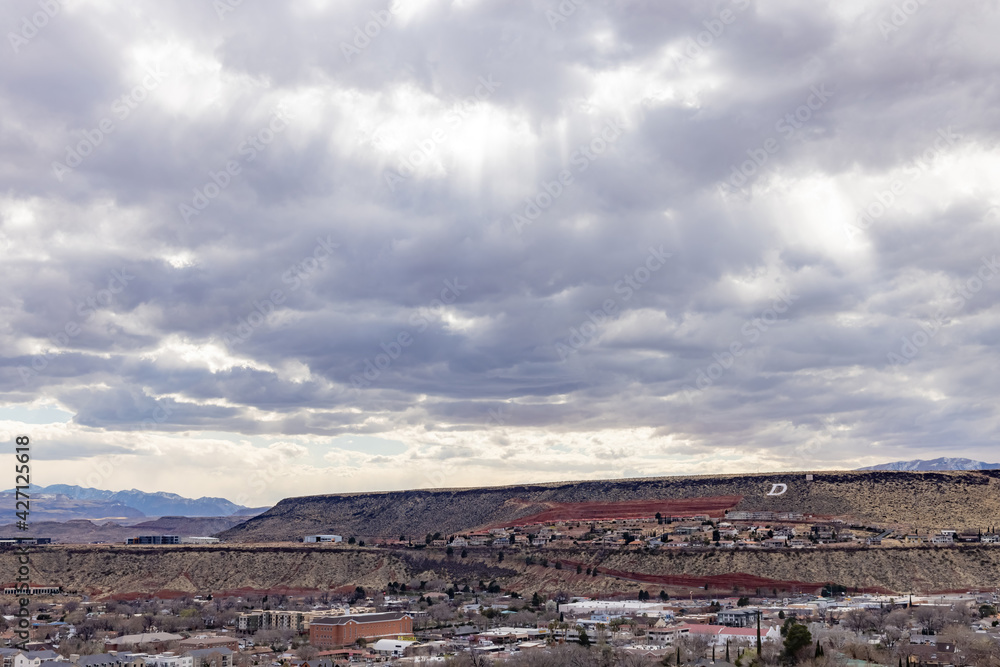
point(323, 538)
point(154, 539)
point(343, 630)
point(738, 618)
point(209, 642)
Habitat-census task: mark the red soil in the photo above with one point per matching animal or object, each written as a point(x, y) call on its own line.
point(719, 582)
point(713, 506)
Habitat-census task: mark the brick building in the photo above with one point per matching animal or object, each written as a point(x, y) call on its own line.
point(195, 643)
point(343, 630)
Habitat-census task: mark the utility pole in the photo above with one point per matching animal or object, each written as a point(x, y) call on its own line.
point(758, 634)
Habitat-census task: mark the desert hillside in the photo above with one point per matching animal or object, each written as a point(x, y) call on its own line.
point(117, 570)
point(925, 500)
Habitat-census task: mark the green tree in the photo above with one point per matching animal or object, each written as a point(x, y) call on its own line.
point(781, 614)
point(798, 637)
point(743, 602)
point(987, 610)
point(584, 638)
point(664, 596)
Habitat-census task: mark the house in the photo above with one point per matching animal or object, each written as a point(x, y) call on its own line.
point(343, 630)
point(459, 542)
point(34, 658)
point(323, 538)
point(944, 538)
point(776, 542)
point(940, 654)
point(7, 654)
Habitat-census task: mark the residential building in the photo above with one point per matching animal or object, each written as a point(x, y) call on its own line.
point(323, 538)
point(168, 659)
point(211, 657)
point(34, 658)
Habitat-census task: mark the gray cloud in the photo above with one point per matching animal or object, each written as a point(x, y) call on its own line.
point(278, 309)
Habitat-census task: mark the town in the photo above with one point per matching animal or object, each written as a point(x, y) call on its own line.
point(739, 529)
point(475, 623)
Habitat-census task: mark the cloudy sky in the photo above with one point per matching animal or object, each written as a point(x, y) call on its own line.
point(258, 249)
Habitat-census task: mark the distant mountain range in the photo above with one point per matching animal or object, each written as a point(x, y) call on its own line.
point(935, 464)
point(68, 501)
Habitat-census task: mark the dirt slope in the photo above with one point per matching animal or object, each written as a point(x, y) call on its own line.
point(114, 570)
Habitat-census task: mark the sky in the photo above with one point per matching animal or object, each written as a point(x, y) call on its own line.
point(260, 250)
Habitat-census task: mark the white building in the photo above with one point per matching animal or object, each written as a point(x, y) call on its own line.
point(323, 538)
point(393, 647)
